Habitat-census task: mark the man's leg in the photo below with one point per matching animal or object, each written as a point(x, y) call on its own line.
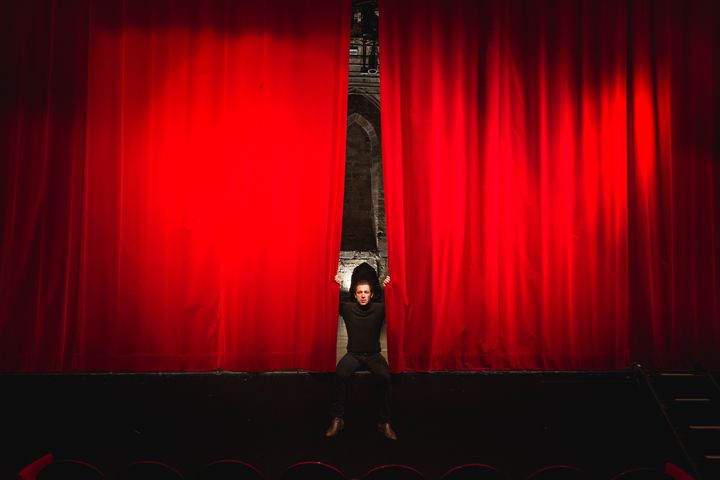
point(381, 373)
point(344, 370)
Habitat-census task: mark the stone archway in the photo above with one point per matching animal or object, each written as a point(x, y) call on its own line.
point(362, 166)
point(363, 177)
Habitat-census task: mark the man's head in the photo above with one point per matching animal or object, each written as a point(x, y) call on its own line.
point(363, 292)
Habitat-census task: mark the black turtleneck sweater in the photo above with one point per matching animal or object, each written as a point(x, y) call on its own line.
point(363, 323)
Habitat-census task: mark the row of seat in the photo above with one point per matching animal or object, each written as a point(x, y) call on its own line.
point(48, 468)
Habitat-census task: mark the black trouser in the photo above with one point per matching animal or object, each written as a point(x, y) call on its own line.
point(381, 373)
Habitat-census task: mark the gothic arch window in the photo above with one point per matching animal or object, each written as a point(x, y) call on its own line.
point(362, 212)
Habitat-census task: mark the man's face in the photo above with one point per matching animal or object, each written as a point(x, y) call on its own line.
point(363, 294)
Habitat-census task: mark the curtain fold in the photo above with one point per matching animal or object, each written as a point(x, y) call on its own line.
point(171, 178)
point(43, 84)
point(175, 197)
point(551, 181)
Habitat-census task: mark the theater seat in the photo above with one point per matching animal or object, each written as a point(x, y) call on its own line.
point(642, 474)
point(559, 472)
point(70, 470)
point(473, 471)
point(150, 470)
point(31, 471)
point(393, 472)
point(312, 471)
point(230, 470)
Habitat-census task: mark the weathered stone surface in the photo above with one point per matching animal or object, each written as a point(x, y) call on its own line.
point(363, 236)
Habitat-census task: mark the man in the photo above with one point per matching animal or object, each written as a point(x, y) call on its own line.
point(363, 319)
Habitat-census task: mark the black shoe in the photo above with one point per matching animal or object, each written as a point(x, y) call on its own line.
point(336, 425)
point(387, 430)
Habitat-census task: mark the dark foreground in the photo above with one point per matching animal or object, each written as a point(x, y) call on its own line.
point(517, 422)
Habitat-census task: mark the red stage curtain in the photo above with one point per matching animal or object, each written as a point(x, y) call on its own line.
point(172, 184)
point(551, 183)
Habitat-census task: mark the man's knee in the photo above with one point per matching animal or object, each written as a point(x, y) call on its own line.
point(342, 374)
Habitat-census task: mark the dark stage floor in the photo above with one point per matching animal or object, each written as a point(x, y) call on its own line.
point(517, 422)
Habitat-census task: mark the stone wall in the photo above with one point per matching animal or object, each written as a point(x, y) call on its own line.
point(358, 229)
point(363, 237)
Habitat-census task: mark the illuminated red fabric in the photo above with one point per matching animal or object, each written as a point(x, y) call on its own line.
point(171, 177)
point(172, 184)
point(551, 183)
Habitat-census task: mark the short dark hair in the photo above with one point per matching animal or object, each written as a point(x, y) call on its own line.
point(369, 283)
